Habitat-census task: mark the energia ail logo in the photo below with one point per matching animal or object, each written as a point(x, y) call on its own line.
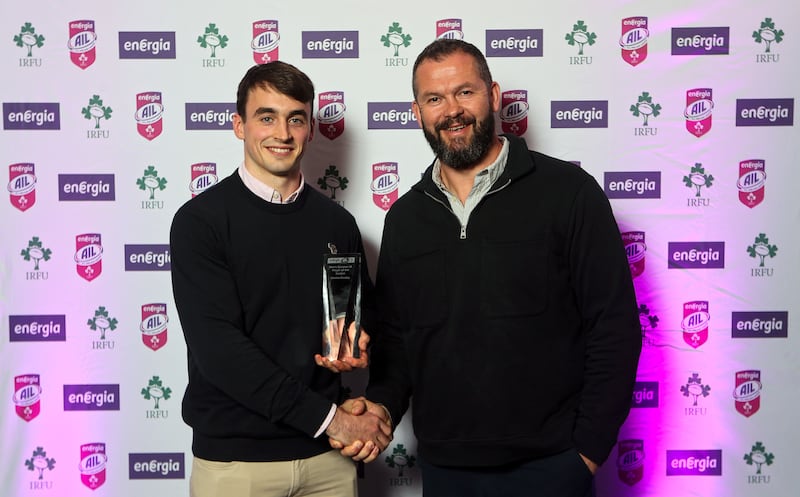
point(747, 392)
point(752, 178)
point(699, 107)
point(633, 40)
point(449, 29)
point(630, 461)
point(154, 325)
point(635, 249)
point(204, 175)
point(27, 396)
point(93, 465)
point(81, 44)
point(385, 184)
point(22, 185)
point(149, 114)
point(695, 322)
point(514, 112)
point(89, 255)
point(266, 39)
point(331, 114)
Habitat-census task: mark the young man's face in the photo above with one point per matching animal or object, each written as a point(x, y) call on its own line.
point(455, 109)
point(275, 131)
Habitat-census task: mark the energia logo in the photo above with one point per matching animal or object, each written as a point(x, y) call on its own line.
point(450, 29)
point(22, 185)
point(82, 41)
point(630, 461)
point(695, 322)
point(331, 114)
point(266, 39)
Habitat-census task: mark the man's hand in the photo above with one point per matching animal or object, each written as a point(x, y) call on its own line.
point(347, 363)
point(361, 429)
point(589, 463)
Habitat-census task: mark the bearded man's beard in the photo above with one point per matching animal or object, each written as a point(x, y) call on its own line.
point(462, 155)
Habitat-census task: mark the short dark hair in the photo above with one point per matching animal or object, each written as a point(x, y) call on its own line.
point(441, 48)
point(278, 75)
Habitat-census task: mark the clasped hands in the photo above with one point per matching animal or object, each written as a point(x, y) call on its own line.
point(360, 429)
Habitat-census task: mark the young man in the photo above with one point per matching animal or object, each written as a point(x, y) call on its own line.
point(508, 306)
point(246, 272)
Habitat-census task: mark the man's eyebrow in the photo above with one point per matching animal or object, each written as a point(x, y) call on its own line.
point(269, 110)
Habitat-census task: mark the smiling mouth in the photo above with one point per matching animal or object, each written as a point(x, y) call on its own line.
point(453, 126)
point(279, 150)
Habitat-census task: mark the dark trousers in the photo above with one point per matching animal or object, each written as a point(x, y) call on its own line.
point(561, 475)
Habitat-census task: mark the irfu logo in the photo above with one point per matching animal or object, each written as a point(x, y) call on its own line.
point(394, 37)
point(211, 38)
point(155, 390)
point(331, 180)
point(400, 459)
point(762, 249)
point(758, 457)
point(697, 178)
point(694, 387)
point(36, 251)
point(647, 321)
point(40, 462)
point(767, 34)
point(27, 37)
point(580, 36)
point(151, 181)
point(96, 110)
point(645, 108)
point(102, 322)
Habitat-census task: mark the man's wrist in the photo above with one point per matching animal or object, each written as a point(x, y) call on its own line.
point(326, 422)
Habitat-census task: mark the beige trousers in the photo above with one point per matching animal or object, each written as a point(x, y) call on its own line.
point(327, 475)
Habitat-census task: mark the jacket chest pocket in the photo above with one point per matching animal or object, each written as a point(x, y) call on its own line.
point(513, 277)
point(421, 288)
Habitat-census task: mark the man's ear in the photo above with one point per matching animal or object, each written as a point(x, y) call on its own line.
point(238, 126)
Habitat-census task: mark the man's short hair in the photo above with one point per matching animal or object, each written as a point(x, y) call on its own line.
point(279, 76)
point(441, 48)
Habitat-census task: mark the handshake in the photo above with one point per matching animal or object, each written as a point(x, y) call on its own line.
point(360, 429)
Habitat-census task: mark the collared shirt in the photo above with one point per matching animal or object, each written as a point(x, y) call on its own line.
point(270, 194)
point(483, 182)
point(265, 191)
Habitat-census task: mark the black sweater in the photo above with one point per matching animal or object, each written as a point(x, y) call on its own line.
point(247, 276)
point(518, 341)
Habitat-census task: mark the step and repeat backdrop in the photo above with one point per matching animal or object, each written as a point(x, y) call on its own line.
point(116, 113)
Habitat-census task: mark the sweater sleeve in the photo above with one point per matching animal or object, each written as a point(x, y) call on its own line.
point(605, 295)
point(389, 382)
point(212, 319)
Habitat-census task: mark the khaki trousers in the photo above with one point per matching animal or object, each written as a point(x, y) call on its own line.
point(327, 475)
